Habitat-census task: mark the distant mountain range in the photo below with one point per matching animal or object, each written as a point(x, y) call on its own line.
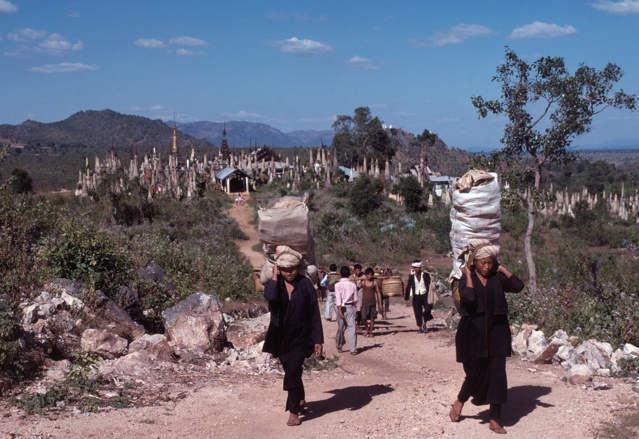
point(106, 128)
point(609, 145)
point(245, 134)
point(99, 130)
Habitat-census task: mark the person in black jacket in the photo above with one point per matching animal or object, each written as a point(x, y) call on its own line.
point(295, 331)
point(483, 338)
point(417, 286)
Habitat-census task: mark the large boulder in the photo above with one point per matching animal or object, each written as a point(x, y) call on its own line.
point(64, 294)
point(537, 343)
point(579, 374)
point(128, 300)
point(156, 346)
point(104, 343)
point(593, 356)
point(196, 323)
point(242, 336)
point(548, 354)
point(520, 340)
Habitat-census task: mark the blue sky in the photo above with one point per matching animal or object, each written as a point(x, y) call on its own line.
point(295, 65)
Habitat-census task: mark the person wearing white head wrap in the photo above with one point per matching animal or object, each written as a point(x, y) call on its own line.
point(483, 339)
point(295, 331)
point(418, 286)
point(286, 257)
point(487, 251)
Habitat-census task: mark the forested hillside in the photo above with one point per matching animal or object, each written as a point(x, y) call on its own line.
point(99, 130)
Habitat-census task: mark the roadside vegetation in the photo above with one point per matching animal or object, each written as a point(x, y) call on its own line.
point(586, 263)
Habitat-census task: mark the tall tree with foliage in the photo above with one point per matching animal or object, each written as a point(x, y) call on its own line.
point(361, 136)
point(547, 108)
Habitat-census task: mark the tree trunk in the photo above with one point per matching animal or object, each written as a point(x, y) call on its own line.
point(530, 260)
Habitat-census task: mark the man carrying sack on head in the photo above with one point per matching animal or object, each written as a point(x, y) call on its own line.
point(420, 286)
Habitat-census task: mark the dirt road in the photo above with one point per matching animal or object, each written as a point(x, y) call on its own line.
point(400, 385)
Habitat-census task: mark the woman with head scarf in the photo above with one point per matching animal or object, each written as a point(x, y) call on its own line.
point(295, 331)
point(483, 336)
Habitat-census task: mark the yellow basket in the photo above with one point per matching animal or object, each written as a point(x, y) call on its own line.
point(392, 286)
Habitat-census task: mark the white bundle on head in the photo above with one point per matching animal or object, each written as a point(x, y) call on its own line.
point(287, 257)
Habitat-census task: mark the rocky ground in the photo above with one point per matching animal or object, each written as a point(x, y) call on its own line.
point(400, 384)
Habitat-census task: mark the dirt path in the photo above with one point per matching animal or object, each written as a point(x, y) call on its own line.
point(400, 385)
point(243, 215)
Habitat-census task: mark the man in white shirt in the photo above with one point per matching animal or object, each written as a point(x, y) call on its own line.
point(417, 287)
point(346, 298)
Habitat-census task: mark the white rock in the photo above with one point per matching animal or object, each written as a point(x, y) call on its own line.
point(566, 352)
point(603, 373)
point(559, 334)
point(536, 344)
point(630, 349)
point(606, 348)
point(104, 343)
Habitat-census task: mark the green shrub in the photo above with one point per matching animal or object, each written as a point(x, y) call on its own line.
point(411, 191)
point(9, 346)
point(20, 181)
point(25, 222)
point(365, 196)
point(84, 253)
point(628, 367)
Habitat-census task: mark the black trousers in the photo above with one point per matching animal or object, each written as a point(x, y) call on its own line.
point(423, 311)
point(292, 365)
point(486, 382)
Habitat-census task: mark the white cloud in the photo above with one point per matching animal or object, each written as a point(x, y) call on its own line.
point(455, 35)
point(39, 41)
point(64, 67)
point(185, 52)
point(295, 46)
point(26, 35)
point(56, 44)
point(72, 14)
point(541, 30)
point(188, 41)
point(625, 7)
point(150, 43)
point(6, 7)
point(362, 63)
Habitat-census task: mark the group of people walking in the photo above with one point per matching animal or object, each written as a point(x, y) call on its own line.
point(482, 339)
point(355, 298)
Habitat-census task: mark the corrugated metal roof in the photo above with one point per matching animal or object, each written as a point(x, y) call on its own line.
point(442, 179)
point(348, 171)
point(227, 172)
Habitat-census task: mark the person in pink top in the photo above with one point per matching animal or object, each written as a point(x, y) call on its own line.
point(346, 297)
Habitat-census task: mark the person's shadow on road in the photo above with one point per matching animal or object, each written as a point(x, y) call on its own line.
point(522, 401)
point(348, 398)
